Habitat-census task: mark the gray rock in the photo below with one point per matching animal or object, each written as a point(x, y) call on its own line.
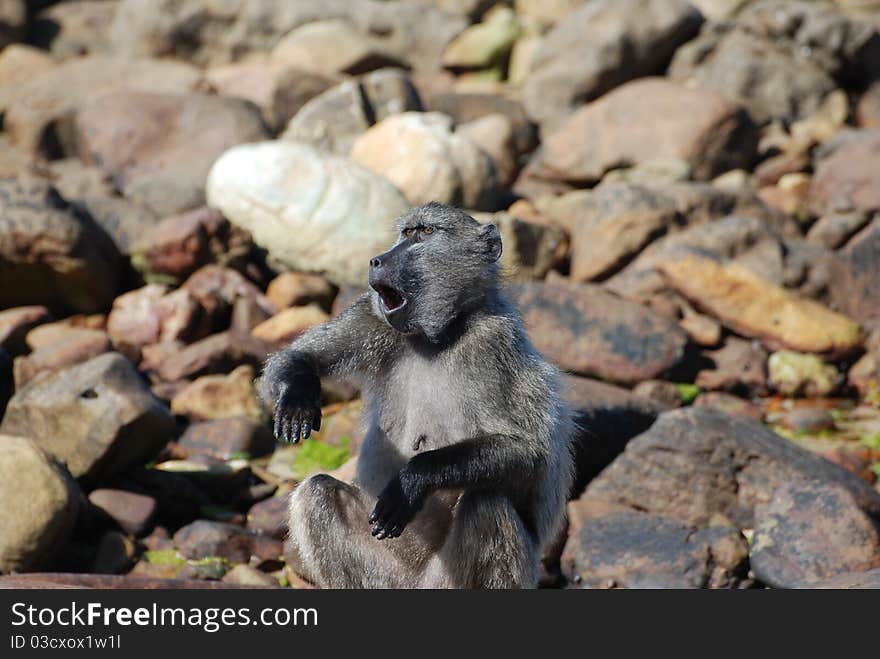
point(810, 532)
point(334, 119)
point(587, 330)
point(636, 550)
point(54, 252)
point(158, 148)
point(40, 504)
point(98, 417)
point(601, 45)
point(696, 462)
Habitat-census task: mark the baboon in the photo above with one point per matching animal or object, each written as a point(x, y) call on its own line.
point(463, 474)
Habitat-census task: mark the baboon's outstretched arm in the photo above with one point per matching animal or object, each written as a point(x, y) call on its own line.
point(491, 462)
point(355, 342)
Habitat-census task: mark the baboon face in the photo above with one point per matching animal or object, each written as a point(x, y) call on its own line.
point(442, 264)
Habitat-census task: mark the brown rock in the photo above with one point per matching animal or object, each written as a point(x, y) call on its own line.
point(494, 134)
point(16, 323)
point(809, 532)
point(611, 224)
point(269, 516)
point(179, 245)
point(75, 28)
point(696, 462)
point(589, 331)
point(601, 45)
point(757, 308)
point(245, 575)
point(219, 396)
point(848, 178)
point(666, 395)
point(37, 110)
point(855, 286)
point(151, 315)
point(54, 252)
point(760, 58)
point(227, 438)
point(636, 550)
point(133, 512)
point(159, 147)
point(296, 289)
point(217, 288)
point(334, 119)
point(278, 90)
point(729, 404)
point(835, 229)
point(849, 580)
point(868, 108)
point(643, 120)
point(99, 417)
point(203, 539)
point(41, 501)
point(331, 47)
point(19, 62)
point(288, 324)
point(74, 346)
point(739, 365)
point(218, 353)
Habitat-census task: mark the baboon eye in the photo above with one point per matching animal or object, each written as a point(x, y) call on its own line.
point(408, 232)
point(428, 231)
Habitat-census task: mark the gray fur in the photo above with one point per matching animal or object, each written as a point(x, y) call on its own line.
point(456, 366)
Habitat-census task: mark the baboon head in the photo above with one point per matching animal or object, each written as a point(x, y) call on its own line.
point(442, 266)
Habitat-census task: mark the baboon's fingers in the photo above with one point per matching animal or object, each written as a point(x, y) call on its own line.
point(278, 424)
point(306, 430)
point(316, 420)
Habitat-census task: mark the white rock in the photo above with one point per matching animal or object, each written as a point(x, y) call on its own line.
point(311, 210)
point(421, 155)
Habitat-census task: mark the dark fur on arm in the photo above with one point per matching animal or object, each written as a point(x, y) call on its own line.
point(493, 462)
point(355, 341)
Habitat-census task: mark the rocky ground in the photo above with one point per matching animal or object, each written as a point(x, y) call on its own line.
point(688, 196)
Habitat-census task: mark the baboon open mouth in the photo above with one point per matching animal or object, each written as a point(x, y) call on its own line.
point(391, 298)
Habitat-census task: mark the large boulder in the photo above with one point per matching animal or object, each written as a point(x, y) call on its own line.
point(601, 45)
point(40, 505)
point(98, 417)
point(291, 197)
point(634, 550)
point(158, 148)
point(696, 462)
point(810, 532)
point(648, 119)
point(54, 251)
point(420, 154)
point(589, 331)
point(37, 111)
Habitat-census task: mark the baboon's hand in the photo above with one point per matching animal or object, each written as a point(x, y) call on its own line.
point(297, 412)
point(397, 505)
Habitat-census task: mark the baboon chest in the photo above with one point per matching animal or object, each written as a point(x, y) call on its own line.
point(427, 405)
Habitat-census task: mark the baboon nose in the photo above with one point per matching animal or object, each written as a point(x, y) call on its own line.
point(375, 262)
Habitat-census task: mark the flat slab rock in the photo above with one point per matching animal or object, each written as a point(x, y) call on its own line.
point(810, 532)
point(696, 462)
point(589, 331)
point(757, 308)
point(636, 550)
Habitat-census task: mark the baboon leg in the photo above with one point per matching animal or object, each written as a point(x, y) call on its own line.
point(488, 546)
point(330, 543)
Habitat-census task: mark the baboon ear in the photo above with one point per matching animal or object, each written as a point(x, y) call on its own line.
point(492, 239)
